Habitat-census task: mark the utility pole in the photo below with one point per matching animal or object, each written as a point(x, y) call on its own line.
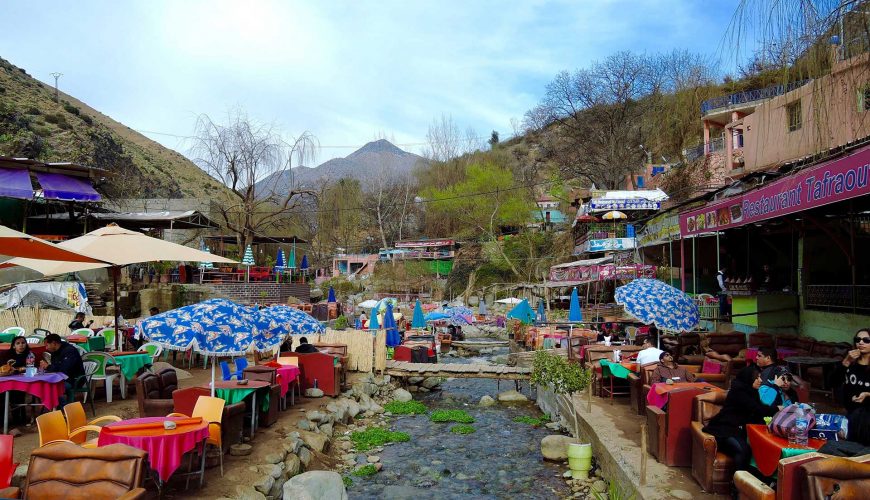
point(56, 75)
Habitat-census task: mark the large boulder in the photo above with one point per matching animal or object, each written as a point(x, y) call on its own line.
point(431, 382)
point(555, 446)
point(511, 397)
point(486, 401)
point(317, 442)
point(315, 485)
point(402, 395)
point(313, 392)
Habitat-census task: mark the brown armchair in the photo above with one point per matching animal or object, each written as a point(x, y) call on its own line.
point(232, 422)
point(266, 374)
point(150, 397)
point(68, 471)
point(710, 467)
point(640, 384)
point(836, 477)
point(679, 345)
point(760, 339)
point(669, 438)
point(721, 379)
point(790, 479)
point(803, 345)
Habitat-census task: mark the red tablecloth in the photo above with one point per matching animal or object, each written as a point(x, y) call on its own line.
point(37, 349)
point(164, 447)
point(658, 393)
point(782, 353)
point(48, 387)
point(767, 448)
point(77, 339)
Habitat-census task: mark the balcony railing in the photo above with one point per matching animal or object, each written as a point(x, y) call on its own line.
point(726, 101)
point(838, 297)
point(700, 150)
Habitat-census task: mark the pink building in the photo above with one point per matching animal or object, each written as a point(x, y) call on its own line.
point(353, 264)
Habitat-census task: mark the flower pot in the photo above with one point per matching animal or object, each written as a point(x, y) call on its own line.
point(579, 463)
point(579, 450)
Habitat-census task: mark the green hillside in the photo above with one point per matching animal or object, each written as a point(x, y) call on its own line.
point(33, 125)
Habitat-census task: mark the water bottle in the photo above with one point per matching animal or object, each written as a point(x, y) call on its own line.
point(31, 359)
point(801, 428)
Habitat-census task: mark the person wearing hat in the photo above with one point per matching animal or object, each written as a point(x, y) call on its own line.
point(775, 390)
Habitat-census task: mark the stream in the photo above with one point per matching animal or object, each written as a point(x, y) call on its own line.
point(502, 459)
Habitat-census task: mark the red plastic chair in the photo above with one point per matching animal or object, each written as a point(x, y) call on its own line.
point(7, 466)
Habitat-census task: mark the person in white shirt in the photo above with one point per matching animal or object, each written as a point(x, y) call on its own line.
point(648, 354)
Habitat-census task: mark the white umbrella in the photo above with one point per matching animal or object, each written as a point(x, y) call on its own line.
point(511, 300)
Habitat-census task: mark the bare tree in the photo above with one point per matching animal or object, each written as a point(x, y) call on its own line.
point(445, 141)
point(240, 153)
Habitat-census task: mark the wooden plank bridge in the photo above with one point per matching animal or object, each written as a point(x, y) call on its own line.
point(457, 370)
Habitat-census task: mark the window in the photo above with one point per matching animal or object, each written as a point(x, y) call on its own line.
point(640, 181)
point(864, 99)
point(793, 111)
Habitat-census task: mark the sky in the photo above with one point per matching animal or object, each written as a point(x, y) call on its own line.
point(347, 71)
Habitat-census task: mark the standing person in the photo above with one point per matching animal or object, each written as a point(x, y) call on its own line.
point(742, 406)
point(853, 375)
point(79, 322)
point(723, 293)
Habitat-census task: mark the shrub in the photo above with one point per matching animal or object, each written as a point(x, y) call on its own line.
point(375, 436)
point(405, 407)
point(366, 470)
point(463, 429)
point(33, 110)
point(87, 119)
point(460, 416)
point(348, 482)
point(341, 322)
point(532, 420)
point(69, 108)
point(57, 119)
point(556, 372)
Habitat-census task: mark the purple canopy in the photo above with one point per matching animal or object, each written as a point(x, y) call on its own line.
point(66, 188)
point(15, 183)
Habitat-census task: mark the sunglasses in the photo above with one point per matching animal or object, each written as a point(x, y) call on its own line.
point(864, 340)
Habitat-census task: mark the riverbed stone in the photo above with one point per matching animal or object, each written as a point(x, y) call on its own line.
point(305, 456)
point(413, 388)
point(486, 401)
point(373, 459)
point(326, 429)
point(415, 380)
point(599, 486)
point(317, 442)
point(402, 395)
point(313, 392)
point(432, 382)
point(423, 389)
point(315, 416)
point(274, 458)
point(512, 396)
point(292, 465)
point(352, 407)
point(555, 446)
point(316, 485)
point(245, 492)
point(681, 494)
point(264, 484)
point(396, 492)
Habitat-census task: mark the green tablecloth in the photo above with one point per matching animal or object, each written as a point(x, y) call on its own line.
point(132, 363)
point(234, 395)
point(616, 369)
point(786, 453)
point(7, 337)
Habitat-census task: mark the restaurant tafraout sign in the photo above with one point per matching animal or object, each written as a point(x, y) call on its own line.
point(830, 182)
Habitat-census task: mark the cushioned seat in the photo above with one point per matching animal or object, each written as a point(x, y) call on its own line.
point(669, 438)
point(711, 468)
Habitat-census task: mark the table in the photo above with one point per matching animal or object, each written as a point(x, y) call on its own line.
point(48, 387)
point(231, 392)
point(825, 363)
point(658, 393)
point(768, 449)
point(621, 369)
point(287, 373)
point(165, 448)
point(781, 353)
point(129, 363)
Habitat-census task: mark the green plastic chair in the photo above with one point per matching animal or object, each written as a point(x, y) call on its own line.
point(152, 348)
point(83, 385)
point(109, 335)
point(103, 360)
point(85, 332)
point(96, 344)
point(15, 330)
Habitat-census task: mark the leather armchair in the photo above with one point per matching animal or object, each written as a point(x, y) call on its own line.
point(232, 421)
point(639, 387)
point(711, 468)
point(168, 382)
point(678, 345)
point(803, 345)
point(266, 374)
point(760, 339)
point(721, 379)
point(836, 477)
point(68, 471)
point(150, 398)
point(791, 478)
point(321, 367)
point(669, 438)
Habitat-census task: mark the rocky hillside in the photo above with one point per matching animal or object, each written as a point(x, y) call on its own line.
point(376, 158)
point(33, 125)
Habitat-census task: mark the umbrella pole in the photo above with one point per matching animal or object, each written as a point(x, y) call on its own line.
point(212, 377)
point(115, 271)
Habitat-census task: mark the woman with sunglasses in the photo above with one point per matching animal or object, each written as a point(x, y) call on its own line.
point(855, 373)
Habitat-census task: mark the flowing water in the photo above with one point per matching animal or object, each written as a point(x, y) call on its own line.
point(502, 459)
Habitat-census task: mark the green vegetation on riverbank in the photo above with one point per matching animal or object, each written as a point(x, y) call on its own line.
point(460, 416)
point(366, 470)
point(375, 436)
point(536, 421)
point(405, 408)
point(463, 429)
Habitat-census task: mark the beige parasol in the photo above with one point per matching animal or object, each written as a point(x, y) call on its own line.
point(17, 244)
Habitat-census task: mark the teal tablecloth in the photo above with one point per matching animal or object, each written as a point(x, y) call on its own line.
point(616, 369)
point(236, 394)
point(132, 363)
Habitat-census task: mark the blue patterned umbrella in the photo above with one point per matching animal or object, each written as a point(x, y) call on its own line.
point(275, 323)
point(331, 295)
point(575, 314)
point(458, 315)
point(523, 312)
point(373, 319)
point(653, 302)
point(418, 321)
point(393, 338)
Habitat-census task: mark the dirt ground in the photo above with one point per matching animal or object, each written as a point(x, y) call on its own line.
point(236, 469)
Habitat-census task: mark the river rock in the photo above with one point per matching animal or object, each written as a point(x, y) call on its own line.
point(305, 456)
point(373, 459)
point(317, 442)
point(274, 458)
point(413, 388)
point(415, 380)
point(353, 408)
point(305, 425)
point(423, 389)
point(264, 484)
point(555, 446)
point(315, 416)
point(245, 492)
point(402, 395)
point(292, 465)
point(395, 492)
point(681, 494)
point(316, 485)
point(326, 429)
point(512, 396)
point(486, 401)
point(431, 382)
point(240, 450)
point(313, 392)
point(599, 486)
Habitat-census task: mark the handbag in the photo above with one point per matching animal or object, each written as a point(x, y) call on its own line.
point(784, 419)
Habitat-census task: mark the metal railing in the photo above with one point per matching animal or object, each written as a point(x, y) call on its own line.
point(726, 101)
point(717, 144)
point(837, 297)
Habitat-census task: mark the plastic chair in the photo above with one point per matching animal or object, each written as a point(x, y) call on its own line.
point(96, 343)
point(84, 332)
point(82, 385)
point(103, 360)
point(241, 364)
point(630, 334)
point(211, 410)
point(52, 427)
point(17, 330)
point(109, 334)
point(76, 419)
point(152, 348)
point(82, 351)
point(7, 466)
point(33, 340)
point(40, 332)
point(225, 371)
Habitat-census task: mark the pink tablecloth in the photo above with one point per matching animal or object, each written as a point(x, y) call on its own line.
point(165, 448)
point(48, 387)
point(658, 392)
point(782, 353)
point(287, 374)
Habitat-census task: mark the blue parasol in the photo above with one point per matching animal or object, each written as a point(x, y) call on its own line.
point(654, 302)
point(393, 338)
point(304, 265)
point(574, 312)
point(291, 260)
point(436, 316)
point(373, 319)
point(331, 296)
point(542, 313)
point(523, 312)
point(279, 262)
point(418, 321)
point(275, 323)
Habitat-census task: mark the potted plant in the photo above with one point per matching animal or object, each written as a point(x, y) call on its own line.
point(341, 322)
point(162, 269)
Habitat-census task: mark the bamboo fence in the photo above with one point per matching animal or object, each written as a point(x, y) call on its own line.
point(360, 347)
point(53, 320)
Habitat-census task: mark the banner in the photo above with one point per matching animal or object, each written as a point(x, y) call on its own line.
point(609, 244)
point(832, 181)
point(575, 274)
point(52, 294)
point(660, 229)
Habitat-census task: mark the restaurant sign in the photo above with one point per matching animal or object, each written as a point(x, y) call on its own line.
point(830, 182)
point(424, 243)
point(659, 229)
point(584, 274)
point(608, 244)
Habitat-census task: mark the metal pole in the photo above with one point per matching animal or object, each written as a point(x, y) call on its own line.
point(694, 270)
point(115, 272)
point(683, 265)
point(718, 253)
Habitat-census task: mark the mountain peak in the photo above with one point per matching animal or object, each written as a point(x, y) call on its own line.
point(380, 146)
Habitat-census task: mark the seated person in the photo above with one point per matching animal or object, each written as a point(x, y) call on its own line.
point(79, 322)
point(774, 390)
point(765, 361)
point(17, 354)
point(648, 353)
point(668, 369)
point(65, 358)
point(304, 347)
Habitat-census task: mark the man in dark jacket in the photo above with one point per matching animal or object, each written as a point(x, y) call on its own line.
point(65, 358)
point(304, 347)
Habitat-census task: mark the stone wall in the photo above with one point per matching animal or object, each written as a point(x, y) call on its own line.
point(260, 292)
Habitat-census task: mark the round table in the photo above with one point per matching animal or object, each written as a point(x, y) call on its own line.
point(48, 387)
point(165, 448)
point(231, 392)
point(801, 361)
point(767, 448)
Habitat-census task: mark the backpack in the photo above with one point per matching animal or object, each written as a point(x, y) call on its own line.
point(785, 419)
